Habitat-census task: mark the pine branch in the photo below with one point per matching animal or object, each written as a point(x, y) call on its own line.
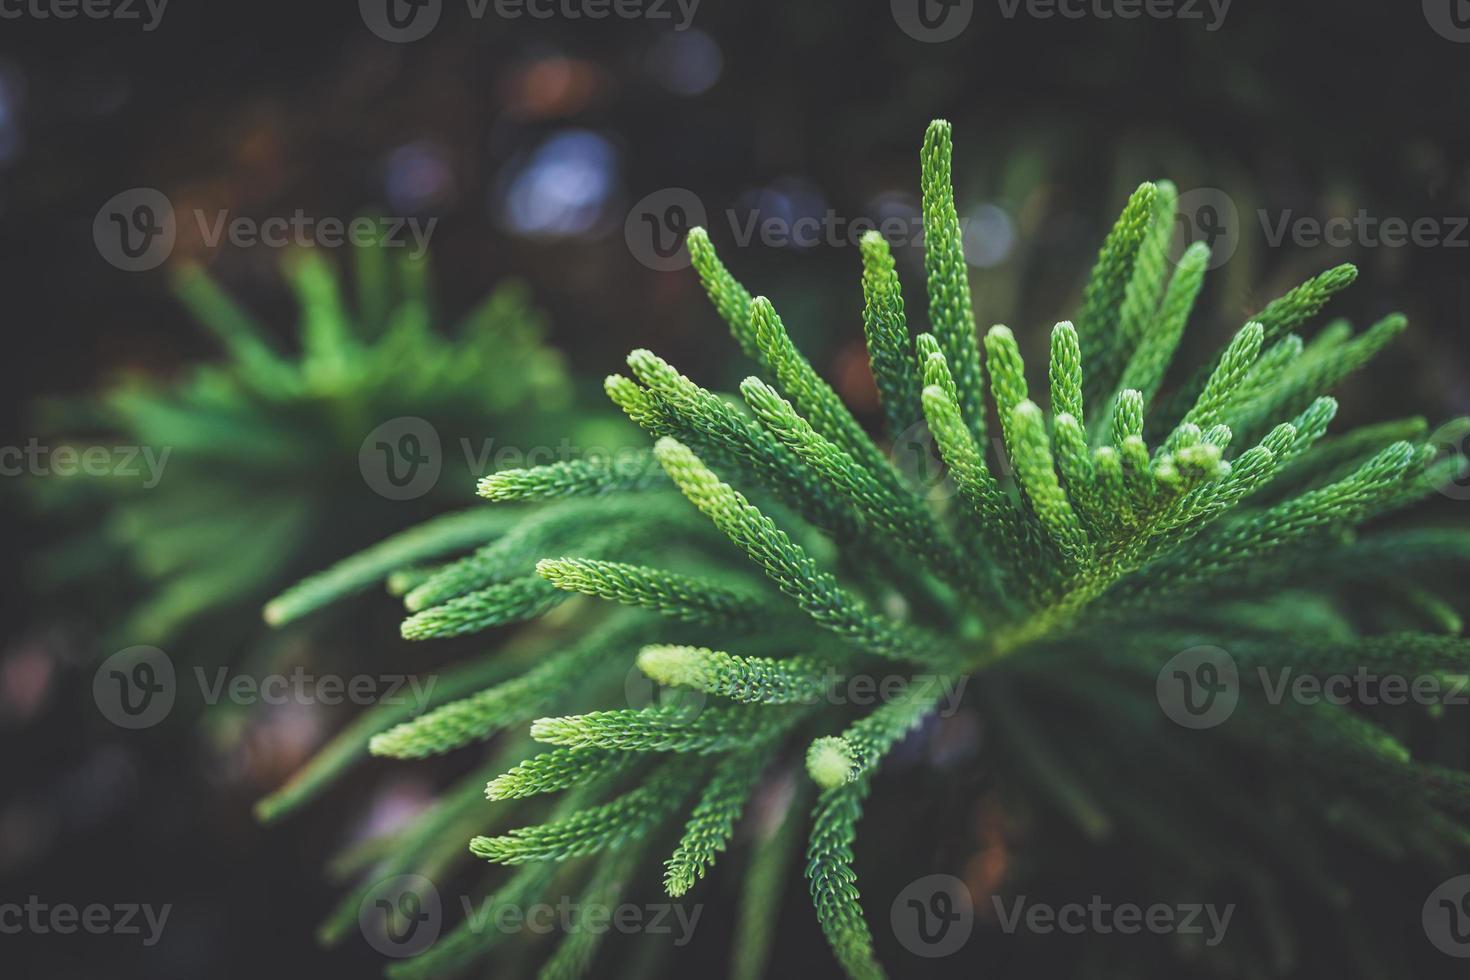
point(834, 883)
point(665, 729)
point(712, 823)
point(1103, 298)
point(792, 680)
point(790, 567)
point(685, 597)
point(433, 539)
point(517, 700)
point(574, 478)
point(834, 762)
point(604, 827)
point(885, 327)
point(950, 315)
point(555, 770)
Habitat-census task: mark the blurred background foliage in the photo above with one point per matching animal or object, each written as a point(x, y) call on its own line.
point(529, 141)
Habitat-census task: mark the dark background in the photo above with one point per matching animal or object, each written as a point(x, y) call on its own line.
point(266, 107)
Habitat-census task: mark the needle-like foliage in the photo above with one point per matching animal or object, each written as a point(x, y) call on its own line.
point(763, 552)
point(228, 443)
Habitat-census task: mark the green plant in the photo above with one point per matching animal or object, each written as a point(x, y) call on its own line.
point(1139, 519)
point(260, 452)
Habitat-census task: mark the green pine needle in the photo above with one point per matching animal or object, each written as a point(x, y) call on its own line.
point(1064, 568)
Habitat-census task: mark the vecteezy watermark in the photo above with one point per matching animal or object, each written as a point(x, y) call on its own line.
point(1363, 687)
point(643, 692)
point(403, 916)
point(1100, 917)
point(1210, 12)
point(64, 919)
point(1208, 215)
point(1450, 441)
point(1364, 230)
point(918, 458)
point(568, 915)
point(404, 21)
point(658, 224)
point(35, 459)
point(137, 229)
point(1446, 917)
point(134, 230)
point(834, 688)
point(147, 12)
point(866, 690)
point(933, 916)
point(404, 457)
point(137, 688)
point(932, 21)
point(1199, 687)
point(1449, 18)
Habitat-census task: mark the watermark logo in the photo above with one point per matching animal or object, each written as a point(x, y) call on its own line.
point(148, 12)
point(400, 21)
point(35, 459)
point(932, 21)
point(1199, 687)
point(405, 21)
point(1363, 687)
point(643, 692)
point(1364, 230)
point(402, 458)
point(1450, 440)
point(1208, 215)
point(135, 230)
point(569, 916)
point(659, 223)
point(401, 916)
point(138, 229)
point(933, 917)
point(1211, 12)
point(1449, 18)
point(1446, 917)
point(135, 688)
point(657, 226)
point(916, 456)
point(40, 918)
point(1100, 917)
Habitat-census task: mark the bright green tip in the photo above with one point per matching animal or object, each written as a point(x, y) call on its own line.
point(386, 745)
point(274, 613)
point(399, 582)
point(498, 486)
point(1027, 410)
point(830, 761)
point(670, 450)
point(642, 356)
point(673, 666)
